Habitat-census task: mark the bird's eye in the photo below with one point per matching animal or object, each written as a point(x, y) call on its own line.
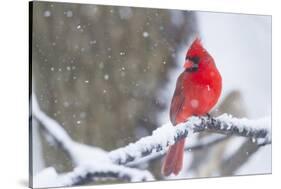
point(195, 59)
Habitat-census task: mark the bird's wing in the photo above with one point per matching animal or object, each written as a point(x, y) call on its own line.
point(177, 101)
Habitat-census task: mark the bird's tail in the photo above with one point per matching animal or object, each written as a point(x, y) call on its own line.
point(174, 159)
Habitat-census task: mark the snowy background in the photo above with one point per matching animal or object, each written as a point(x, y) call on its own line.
point(107, 75)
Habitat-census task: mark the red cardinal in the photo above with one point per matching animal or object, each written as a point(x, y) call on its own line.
point(197, 91)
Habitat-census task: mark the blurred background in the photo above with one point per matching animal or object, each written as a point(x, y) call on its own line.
point(107, 75)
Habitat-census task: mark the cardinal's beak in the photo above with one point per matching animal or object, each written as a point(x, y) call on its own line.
point(188, 64)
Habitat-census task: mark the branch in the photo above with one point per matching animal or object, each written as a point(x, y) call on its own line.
point(90, 162)
point(234, 161)
point(52, 127)
point(206, 142)
point(155, 145)
point(168, 135)
point(89, 173)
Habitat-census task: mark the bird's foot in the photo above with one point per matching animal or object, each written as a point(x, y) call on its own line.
point(208, 115)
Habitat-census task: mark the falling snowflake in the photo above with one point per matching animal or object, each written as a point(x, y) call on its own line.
point(47, 13)
point(145, 34)
point(125, 12)
point(68, 13)
point(66, 104)
point(106, 76)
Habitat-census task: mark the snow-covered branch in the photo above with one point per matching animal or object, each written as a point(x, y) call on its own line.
point(52, 127)
point(168, 135)
point(90, 162)
point(86, 173)
point(89, 173)
point(202, 144)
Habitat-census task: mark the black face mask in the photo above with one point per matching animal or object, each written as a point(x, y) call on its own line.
point(195, 63)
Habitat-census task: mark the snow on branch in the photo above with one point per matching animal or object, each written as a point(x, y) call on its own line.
point(89, 173)
point(52, 127)
point(202, 144)
point(91, 162)
point(168, 135)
